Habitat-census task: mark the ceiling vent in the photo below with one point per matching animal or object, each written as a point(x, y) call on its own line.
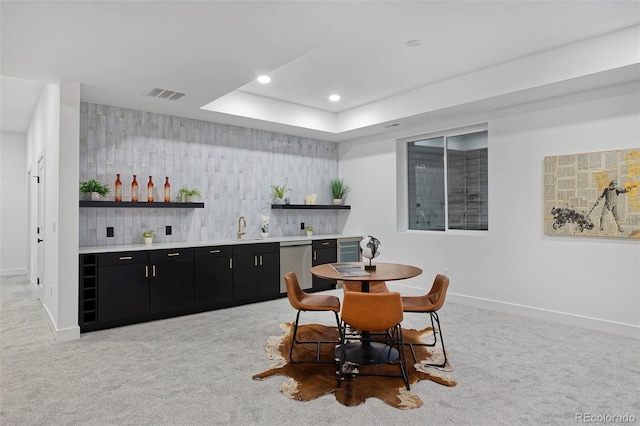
point(164, 94)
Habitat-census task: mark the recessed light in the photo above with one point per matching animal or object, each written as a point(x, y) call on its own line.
point(413, 43)
point(334, 98)
point(264, 79)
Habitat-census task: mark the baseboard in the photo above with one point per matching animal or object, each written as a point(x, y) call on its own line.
point(60, 335)
point(12, 272)
point(622, 329)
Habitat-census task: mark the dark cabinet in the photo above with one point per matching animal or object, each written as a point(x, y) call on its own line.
point(213, 277)
point(256, 272)
point(324, 251)
point(123, 287)
point(171, 282)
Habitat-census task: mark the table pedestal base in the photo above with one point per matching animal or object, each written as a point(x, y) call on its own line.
point(368, 353)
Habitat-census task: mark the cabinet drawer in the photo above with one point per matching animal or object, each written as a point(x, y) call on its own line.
point(256, 248)
point(317, 244)
point(123, 258)
point(172, 254)
point(213, 251)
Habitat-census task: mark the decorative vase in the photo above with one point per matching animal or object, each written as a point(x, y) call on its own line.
point(167, 190)
point(150, 190)
point(264, 235)
point(309, 233)
point(134, 190)
point(95, 196)
point(337, 201)
point(148, 240)
point(118, 188)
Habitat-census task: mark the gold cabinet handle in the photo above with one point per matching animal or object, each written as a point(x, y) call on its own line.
point(214, 251)
point(125, 258)
point(315, 255)
point(146, 271)
point(230, 263)
point(255, 260)
point(260, 260)
point(325, 244)
point(173, 254)
point(154, 271)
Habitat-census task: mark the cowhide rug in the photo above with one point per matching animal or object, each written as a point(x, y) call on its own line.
point(309, 381)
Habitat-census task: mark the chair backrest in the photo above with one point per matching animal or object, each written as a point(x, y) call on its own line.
point(374, 286)
point(372, 311)
point(438, 291)
point(294, 292)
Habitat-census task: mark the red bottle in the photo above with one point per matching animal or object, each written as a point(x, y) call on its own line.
point(167, 190)
point(150, 190)
point(118, 188)
point(134, 190)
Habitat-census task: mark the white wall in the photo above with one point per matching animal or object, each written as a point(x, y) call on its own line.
point(53, 132)
point(14, 224)
point(514, 267)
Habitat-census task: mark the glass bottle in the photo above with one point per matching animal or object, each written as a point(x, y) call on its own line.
point(118, 188)
point(167, 190)
point(150, 190)
point(134, 190)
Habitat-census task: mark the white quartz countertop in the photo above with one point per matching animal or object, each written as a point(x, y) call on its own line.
point(228, 242)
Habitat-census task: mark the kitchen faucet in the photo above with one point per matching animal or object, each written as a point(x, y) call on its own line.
point(242, 220)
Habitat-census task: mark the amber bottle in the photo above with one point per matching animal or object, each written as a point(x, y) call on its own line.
point(134, 190)
point(118, 188)
point(150, 190)
point(167, 190)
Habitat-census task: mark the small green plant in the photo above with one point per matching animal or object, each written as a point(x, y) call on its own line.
point(309, 228)
point(277, 192)
point(93, 185)
point(185, 193)
point(149, 234)
point(338, 189)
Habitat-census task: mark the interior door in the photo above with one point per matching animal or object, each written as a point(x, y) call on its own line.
point(40, 228)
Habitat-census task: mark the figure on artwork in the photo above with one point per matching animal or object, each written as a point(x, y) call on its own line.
point(610, 197)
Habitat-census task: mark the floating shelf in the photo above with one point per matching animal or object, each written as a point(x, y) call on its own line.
point(143, 205)
point(310, 207)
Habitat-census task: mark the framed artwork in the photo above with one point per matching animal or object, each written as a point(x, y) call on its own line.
point(593, 194)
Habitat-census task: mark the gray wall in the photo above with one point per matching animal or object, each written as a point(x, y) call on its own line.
point(233, 167)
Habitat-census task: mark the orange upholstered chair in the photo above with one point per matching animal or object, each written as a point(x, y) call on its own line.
point(309, 302)
point(379, 313)
point(374, 286)
point(429, 304)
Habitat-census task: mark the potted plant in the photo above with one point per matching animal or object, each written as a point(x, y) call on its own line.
point(186, 194)
point(264, 226)
point(309, 230)
point(93, 190)
point(277, 193)
point(338, 190)
point(148, 237)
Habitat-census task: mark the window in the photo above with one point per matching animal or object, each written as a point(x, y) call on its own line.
point(447, 182)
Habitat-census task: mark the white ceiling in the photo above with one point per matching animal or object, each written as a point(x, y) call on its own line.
point(214, 50)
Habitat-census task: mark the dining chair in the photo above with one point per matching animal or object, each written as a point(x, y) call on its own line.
point(380, 314)
point(374, 286)
point(429, 304)
point(309, 302)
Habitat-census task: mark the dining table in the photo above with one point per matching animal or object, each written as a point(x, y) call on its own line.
point(366, 351)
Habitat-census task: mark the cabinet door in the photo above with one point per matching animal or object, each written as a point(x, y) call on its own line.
point(171, 283)
point(324, 251)
point(245, 277)
point(213, 281)
point(268, 275)
point(123, 292)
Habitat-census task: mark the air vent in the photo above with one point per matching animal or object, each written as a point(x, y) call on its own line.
point(172, 95)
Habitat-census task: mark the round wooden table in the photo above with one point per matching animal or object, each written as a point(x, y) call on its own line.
point(367, 352)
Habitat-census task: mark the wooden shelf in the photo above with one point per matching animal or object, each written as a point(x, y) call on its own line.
point(310, 207)
point(144, 205)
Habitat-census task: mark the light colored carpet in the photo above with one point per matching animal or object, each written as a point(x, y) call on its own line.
point(197, 369)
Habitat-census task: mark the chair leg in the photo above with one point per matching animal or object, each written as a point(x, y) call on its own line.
point(432, 315)
point(403, 358)
point(318, 343)
point(343, 355)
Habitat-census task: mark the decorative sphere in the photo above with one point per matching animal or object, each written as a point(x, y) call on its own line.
point(370, 247)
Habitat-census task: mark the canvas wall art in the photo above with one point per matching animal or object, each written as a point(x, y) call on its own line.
point(593, 194)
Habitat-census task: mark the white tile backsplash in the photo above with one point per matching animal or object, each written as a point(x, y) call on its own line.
point(233, 167)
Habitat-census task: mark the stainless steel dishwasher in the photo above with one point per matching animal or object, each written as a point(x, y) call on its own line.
point(296, 256)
